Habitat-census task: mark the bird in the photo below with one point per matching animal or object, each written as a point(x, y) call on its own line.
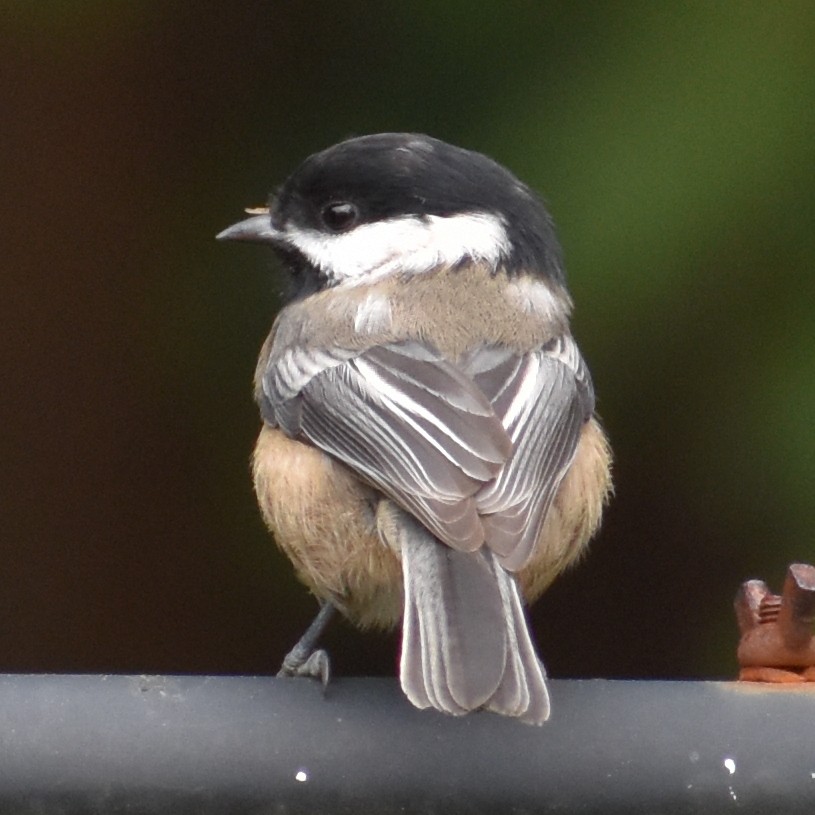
point(429, 450)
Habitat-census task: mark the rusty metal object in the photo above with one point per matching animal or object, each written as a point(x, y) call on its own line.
point(777, 636)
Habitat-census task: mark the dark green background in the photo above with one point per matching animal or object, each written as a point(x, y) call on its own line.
point(675, 144)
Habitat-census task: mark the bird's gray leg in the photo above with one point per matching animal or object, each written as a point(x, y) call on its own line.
point(305, 659)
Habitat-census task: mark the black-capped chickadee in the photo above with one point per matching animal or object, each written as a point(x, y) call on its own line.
point(429, 450)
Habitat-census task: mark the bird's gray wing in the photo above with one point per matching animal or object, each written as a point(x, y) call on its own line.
point(401, 416)
point(542, 398)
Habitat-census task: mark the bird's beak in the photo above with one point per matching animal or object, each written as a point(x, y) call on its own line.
point(257, 229)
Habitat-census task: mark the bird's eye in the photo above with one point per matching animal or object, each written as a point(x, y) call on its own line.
point(339, 216)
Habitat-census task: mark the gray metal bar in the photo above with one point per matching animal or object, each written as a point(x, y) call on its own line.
point(76, 744)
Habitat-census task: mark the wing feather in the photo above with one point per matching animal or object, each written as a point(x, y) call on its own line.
point(405, 419)
point(475, 451)
point(542, 398)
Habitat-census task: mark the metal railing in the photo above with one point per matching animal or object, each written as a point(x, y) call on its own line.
point(152, 744)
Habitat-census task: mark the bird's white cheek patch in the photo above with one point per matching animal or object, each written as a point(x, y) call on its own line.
point(410, 244)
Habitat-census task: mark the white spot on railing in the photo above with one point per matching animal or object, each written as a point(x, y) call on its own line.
point(301, 775)
point(730, 766)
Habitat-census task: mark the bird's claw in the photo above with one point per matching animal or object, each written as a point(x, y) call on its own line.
point(305, 659)
point(316, 665)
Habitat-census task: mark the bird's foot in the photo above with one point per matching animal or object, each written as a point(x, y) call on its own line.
point(316, 665)
point(305, 659)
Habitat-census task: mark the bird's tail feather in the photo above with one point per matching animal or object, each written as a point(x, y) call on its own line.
point(465, 640)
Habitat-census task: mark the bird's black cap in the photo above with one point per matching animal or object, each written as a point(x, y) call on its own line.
point(391, 174)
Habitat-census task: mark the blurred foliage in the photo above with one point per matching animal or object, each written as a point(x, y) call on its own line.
point(674, 143)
